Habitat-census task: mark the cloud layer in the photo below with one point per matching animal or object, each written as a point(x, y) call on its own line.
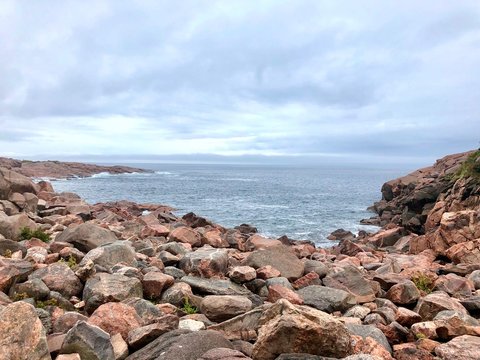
point(366, 79)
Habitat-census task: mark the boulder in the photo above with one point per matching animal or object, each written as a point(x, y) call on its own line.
point(186, 235)
point(327, 299)
point(219, 308)
point(66, 321)
point(205, 262)
point(109, 255)
point(177, 293)
point(285, 328)
point(34, 288)
point(241, 274)
point(11, 226)
point(277, 292)
point(89, 341)
point(13, 182)
point(370, 331)
point(13, 271)
point(350, 279)
point(403, 293)
point(466, 252)
point(59, 277)
point(460, 348)
point(181, 344)
point(279, 257)
point(10, 246)
point(115, 318)
point(223, 354)
point(214, 286)
point(455, 285)
point(141, 336)
point(430, 305)
point(103, 288)
point(22, 335)
point(86, 237)
point(148, 312)
point(154, 283)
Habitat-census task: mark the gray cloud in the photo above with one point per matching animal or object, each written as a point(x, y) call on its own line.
point(299, 77)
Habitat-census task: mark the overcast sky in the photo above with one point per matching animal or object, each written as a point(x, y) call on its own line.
point(342, 79)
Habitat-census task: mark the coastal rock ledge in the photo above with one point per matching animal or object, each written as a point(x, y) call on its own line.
point(112, 281)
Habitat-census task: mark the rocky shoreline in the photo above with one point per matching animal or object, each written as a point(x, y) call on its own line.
point(54, 170)
point(133, 281)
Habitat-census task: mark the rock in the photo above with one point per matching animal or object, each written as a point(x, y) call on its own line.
point(86, 237)
point(154, 283)
point(168, 259)
point(181, 344)
point(59, 277)
point(466, 252)
point(214, 286)
point(277, 292)
point(257, 242)
point(34, 288)
point(340, 234)
point(177, 293)
point(387, 237)
point(219, 308)
point(403, 293)
point(10, 246)
point(74, 356)
point(412, 353)
point(11, 226)
point(120, 347)
point(327, 299)
point(311, 278)
point(13, 271)
point(89, 341)
point(13, 182)
point(407, 317)
point(205, 262)
point(388, 280)
point(241, 274)
point(115, 318)
point(148, 312)
point(369, 346)
point(22, 335)
point(474, 277)
point(350, 279)
point(370, 331)
point(460, 348)
point(430, 305)
point(279, 257)
point(214, 238)
point(103, 288)
point(111, 254)
point(455, 285)
point(358, 311)
point(66, 321)
point(141, 336)
point(285, 328)
point(223, 354)
point(186, 235)
point(191, 325)
point(316, 266)
point(267, 272)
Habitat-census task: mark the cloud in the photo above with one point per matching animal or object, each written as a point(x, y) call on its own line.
point(278, 78)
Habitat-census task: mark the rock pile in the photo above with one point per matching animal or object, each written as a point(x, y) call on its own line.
point(134, 281)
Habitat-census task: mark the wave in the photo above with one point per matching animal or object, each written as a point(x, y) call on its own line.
point(165, 173)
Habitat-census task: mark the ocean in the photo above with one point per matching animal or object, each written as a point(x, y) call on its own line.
point(302, 202)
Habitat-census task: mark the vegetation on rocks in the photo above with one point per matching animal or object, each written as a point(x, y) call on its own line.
point(187, 307)
point(423, 282)
point(470, 168)
point(26, 234)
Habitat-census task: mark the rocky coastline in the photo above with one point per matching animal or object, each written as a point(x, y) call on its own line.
point(53, 170)
point(134, 281)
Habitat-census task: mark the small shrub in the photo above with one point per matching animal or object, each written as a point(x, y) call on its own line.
point(43, 304)
point(26, 234)
point(20, 296)
point(71, 261)
point(188, 308)
point(423, 283)
point(7, 253)
point(470, 167)
point(420, 336)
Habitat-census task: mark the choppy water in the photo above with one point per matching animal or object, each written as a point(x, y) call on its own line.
point(301, 202)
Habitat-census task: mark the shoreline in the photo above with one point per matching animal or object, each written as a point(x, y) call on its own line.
point(140, 280)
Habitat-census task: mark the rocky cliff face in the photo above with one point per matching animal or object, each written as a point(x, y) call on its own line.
point(134, 281)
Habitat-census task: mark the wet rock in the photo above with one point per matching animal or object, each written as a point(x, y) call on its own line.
point(89, 341)
point(154, 283)
point(115, 318)
point(109, 255)
point(181, 344)
point(103, 288)
point(219, 308)
point(279, 257)
point(327, 299)
point(285, 328)
point(22, 335)
point(59, 277)
point(205, 262)
point(86, 237)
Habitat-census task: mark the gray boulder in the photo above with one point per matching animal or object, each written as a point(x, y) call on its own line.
point(111, 254)
point(86, 237)
point(327, 299)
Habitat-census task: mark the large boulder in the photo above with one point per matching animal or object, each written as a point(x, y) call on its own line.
point(223, 307)
point(86, 237)
point(186, 235)
point(430, 305)
point(116, 318)
point(89, 341)
point(351, 280)
point(103, 288)
point(285, 328)
point(11, 226)
point(59, 277)
point(327, 299)
point(181, 345)
point(111, 254)
point(22, 335)
point(279, 257)
point(460, 348)
point(206, 262)
point(12, 182)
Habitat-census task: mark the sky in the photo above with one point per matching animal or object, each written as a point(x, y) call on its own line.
point(395, 81)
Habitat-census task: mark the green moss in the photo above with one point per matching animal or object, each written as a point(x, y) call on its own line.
point(43, 304)
point(7, 253)
point(188, 308)
point(26, 234)
point(71, 261)
point(423, 282)
point(20, 296)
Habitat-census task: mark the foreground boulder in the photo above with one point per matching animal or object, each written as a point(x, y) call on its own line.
point(89, 341)
point(181, 344)
point(285, 328)
point(86, 237)
point(22, 335)
point(464, 347)
point(115, 318)
point(280, 258)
